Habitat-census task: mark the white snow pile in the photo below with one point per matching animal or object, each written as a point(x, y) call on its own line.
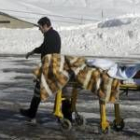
point(114, 37)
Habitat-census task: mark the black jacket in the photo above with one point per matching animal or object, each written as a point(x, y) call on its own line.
point(51, 43)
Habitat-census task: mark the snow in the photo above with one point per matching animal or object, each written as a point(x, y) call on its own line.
point(93, 27)
point(114, 37)
point(19, 41)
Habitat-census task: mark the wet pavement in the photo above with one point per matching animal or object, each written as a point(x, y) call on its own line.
point(16, 91)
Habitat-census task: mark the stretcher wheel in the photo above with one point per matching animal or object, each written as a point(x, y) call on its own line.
point(80, 120)
point(118, 126)
point(66, 124)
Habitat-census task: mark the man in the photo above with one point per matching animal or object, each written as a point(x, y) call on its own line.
point(51, 44)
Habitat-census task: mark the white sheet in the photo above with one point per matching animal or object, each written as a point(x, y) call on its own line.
point(113, 69)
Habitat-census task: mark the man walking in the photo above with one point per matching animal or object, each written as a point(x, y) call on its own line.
point(51, 44)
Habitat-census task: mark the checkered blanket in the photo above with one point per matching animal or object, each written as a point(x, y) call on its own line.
point(57, 69)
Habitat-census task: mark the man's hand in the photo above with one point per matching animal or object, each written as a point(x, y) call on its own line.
point(28, 54)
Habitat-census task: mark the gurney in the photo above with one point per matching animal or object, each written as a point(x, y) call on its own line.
point(129, 76)
point(99, 76)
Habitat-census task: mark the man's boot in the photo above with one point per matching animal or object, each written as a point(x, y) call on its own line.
point(31, 112)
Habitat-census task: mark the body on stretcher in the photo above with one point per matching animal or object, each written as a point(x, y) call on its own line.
point(128, 74)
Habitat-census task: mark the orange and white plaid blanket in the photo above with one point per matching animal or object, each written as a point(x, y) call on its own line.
point(55, 73)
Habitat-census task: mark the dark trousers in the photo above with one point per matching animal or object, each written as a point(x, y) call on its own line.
point(35, 101)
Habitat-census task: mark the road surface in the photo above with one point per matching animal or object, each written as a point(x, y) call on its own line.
point(16, 90)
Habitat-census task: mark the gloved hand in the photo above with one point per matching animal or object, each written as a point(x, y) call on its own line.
point(28, 54)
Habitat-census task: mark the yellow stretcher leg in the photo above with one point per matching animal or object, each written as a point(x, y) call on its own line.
point(58, 103)
point(117, 113)
point(114, 90)
point(118, 123)
point(104, 123)
point(65, 123)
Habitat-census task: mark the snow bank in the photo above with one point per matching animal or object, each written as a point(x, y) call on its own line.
point(114, 37)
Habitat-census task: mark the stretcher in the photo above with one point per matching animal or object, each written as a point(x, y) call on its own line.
point(118, 124)
point(101, 79)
